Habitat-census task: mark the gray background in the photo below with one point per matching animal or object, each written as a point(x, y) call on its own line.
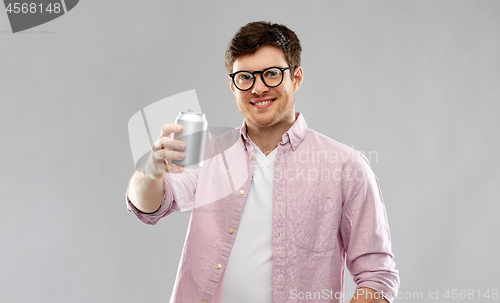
point(414, 82)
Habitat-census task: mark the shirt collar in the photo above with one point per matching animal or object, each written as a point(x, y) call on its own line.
point(293, 136)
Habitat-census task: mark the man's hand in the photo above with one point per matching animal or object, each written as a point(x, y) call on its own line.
point(367, 295)
point(162, 152)
point(146, 186)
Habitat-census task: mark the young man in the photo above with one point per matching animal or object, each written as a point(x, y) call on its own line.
point(298, 205)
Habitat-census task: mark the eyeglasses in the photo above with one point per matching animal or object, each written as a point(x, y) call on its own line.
point(271, 77)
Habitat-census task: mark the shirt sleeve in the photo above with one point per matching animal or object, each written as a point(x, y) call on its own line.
point(365, 231)
point(178, 195)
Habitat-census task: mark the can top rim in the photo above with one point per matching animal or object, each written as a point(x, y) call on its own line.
point(188, 113)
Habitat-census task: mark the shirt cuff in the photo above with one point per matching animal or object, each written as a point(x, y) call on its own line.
point(153, 218)
point(377, 271)
point(384, 292)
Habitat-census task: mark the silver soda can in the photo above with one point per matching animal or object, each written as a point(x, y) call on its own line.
point(194, 132)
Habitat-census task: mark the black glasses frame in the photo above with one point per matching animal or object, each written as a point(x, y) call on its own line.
point(261, 72)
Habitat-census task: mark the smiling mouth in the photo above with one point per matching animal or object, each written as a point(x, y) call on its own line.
point(261, 103)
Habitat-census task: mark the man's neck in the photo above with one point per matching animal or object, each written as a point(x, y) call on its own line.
point(268, 138)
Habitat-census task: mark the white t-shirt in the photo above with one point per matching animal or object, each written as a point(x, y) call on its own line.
point(247, 277)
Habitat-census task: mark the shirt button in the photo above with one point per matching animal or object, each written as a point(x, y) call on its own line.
point(219, 266)
point(242, 192)
point(294, 144)
point(251, 157)
point(231, 230)
point(204, 302)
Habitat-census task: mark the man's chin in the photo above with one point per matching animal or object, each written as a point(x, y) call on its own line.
point(261, 123)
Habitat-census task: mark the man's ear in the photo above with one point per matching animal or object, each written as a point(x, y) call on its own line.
point(231, 84)
point(297, 78)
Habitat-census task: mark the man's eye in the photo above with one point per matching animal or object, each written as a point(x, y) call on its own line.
point(245, 77)
point(272, 73)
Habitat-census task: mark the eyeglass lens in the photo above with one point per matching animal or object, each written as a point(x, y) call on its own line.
point(245, 80)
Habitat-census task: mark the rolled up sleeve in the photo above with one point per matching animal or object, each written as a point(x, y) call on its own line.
point(365, 231)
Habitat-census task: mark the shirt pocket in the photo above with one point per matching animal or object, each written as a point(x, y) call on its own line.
point(315, 223)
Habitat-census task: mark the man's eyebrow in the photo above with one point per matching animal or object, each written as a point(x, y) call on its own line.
point(259, 70)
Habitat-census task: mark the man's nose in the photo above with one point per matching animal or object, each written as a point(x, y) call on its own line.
point(259, 87)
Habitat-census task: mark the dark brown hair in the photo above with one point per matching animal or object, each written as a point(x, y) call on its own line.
point(249, 38)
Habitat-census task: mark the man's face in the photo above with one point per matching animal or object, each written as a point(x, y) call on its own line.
point(281, 109)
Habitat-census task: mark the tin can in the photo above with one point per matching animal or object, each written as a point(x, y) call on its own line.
point(194, 132)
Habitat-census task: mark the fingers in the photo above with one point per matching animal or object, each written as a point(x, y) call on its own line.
point(168, 129)
point(162, 167)
point(158, 168)
point(165, 141)
point(165, 154)
point(164, 150)
point(168, 143)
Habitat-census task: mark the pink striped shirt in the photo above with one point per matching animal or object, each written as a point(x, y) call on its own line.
point(327, 211)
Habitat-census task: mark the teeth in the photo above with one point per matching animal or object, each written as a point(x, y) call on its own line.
point(263, 103)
